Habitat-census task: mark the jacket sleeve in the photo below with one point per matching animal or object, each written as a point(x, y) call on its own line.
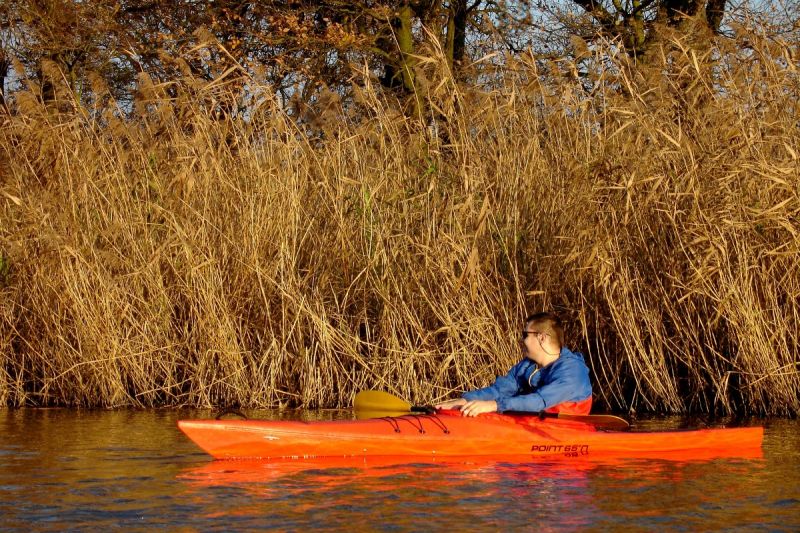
point(503, 386)
point(570, 382)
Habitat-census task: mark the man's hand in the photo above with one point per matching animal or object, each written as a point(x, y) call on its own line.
point(452, 404)
point(476, 407)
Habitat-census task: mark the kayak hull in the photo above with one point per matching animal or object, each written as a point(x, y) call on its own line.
point(449, 435)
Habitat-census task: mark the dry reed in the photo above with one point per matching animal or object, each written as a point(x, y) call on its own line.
point(178, 258)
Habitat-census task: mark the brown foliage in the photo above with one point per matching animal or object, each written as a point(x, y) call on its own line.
point(175, 257)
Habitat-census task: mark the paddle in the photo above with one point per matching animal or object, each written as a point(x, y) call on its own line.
point(380, 401)
point(377, 400)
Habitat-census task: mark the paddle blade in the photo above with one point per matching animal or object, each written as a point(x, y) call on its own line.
point(375, 400)
point(361, 414)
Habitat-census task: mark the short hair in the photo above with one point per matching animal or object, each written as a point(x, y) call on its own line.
point(548, 323)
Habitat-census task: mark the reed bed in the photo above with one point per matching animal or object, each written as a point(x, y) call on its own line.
point(275, 259)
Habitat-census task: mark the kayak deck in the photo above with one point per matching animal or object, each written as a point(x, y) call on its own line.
point(448, 434)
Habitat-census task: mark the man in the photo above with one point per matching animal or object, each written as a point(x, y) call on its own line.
point(549, 378)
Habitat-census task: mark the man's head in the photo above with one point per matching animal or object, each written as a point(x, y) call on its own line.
point(543, 337)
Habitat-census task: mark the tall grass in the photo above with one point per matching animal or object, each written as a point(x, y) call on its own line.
point(180, 258)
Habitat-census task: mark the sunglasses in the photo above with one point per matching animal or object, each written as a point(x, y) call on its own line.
point(525, 334)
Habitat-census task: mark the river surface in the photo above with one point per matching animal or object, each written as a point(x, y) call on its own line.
point(66, 469)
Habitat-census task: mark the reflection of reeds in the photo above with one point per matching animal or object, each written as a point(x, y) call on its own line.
point(180, 258)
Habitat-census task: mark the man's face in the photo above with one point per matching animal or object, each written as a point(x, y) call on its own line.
point(532, 341)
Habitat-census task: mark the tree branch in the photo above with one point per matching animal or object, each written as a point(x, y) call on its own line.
point(644, 5)
point(600, 14)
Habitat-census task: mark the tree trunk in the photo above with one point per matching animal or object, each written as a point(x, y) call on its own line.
point(4, 65)
point(636, 34)
point(405, 42)
point(458, 16)
point(398, 72)
point(715, 10)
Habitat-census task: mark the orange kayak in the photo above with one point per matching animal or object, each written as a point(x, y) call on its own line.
point(448, 434)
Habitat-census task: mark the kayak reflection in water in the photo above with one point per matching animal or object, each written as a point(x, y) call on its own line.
point(549, 378)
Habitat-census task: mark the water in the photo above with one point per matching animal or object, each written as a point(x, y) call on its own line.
point(81, 470)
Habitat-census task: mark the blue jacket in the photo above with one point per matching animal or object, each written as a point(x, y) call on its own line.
point(529, 388)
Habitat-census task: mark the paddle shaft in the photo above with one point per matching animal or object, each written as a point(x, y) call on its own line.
point(607, 421)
